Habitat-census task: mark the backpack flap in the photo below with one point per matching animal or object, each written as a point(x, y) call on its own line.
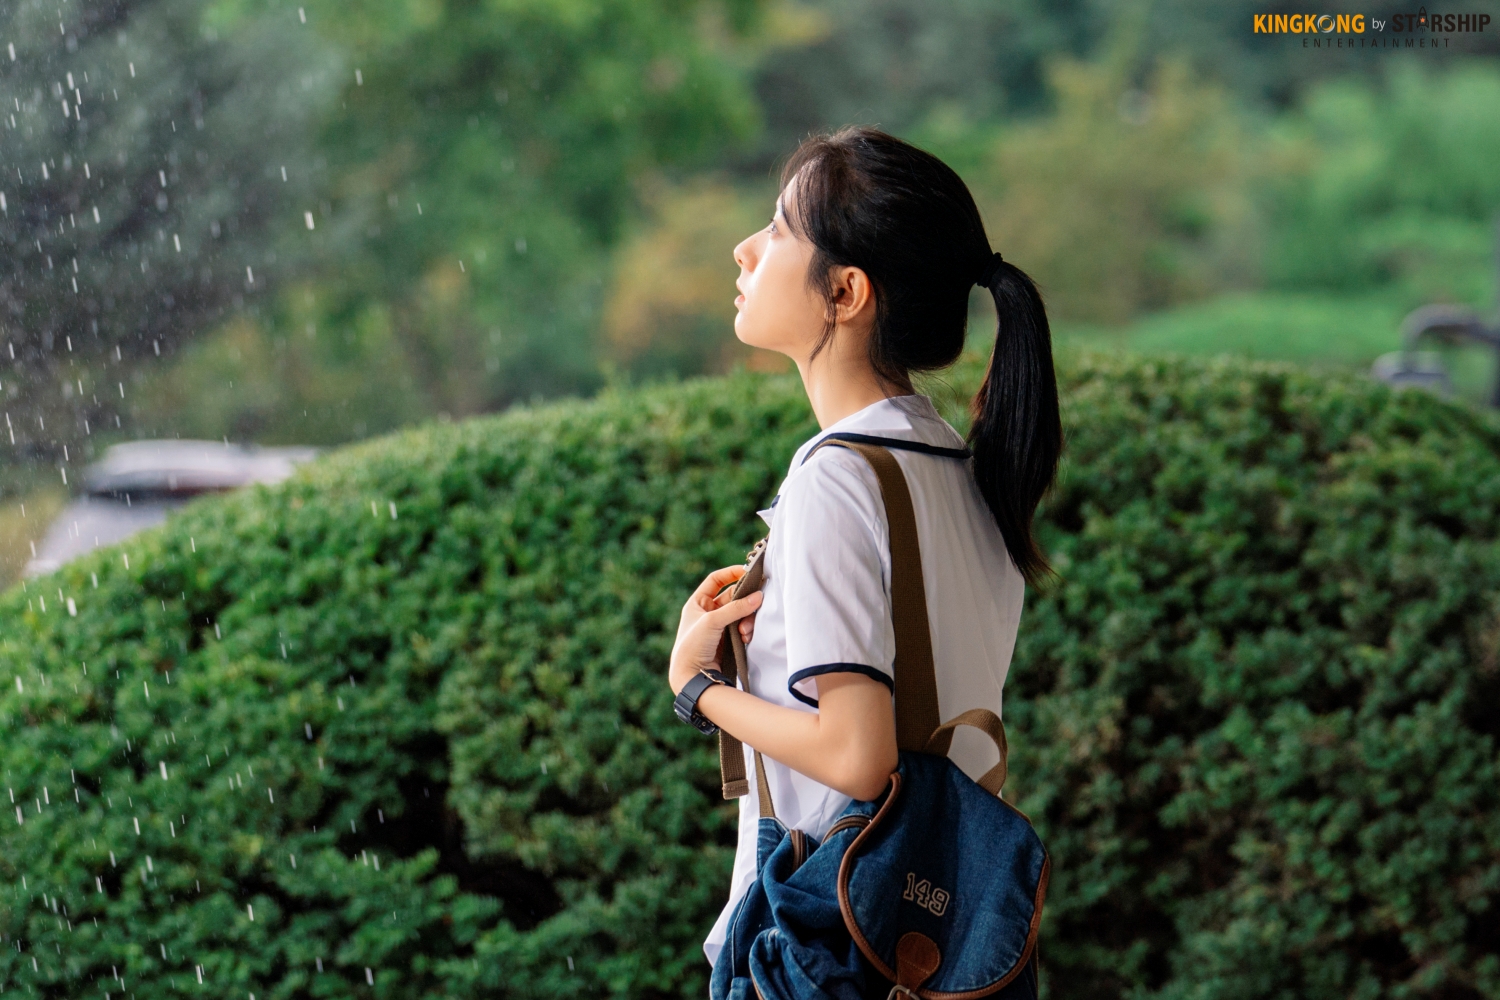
point(946, 860)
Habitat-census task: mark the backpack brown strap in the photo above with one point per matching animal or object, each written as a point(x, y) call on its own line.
point(733, 664)
point(917, 716)
point(987, 722)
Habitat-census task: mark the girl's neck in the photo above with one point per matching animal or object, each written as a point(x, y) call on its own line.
point(840, 382)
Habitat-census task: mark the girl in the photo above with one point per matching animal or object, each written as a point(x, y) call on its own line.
point(862, 278)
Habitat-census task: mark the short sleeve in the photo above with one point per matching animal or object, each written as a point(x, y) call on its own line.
point(832, 552)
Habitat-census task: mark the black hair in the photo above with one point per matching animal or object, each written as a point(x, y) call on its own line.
point(866, 199)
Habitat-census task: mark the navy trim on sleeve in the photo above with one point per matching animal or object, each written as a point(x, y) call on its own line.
point(833, 668)
point(897, 443)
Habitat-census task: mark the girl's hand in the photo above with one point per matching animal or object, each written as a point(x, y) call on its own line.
point(701, 628)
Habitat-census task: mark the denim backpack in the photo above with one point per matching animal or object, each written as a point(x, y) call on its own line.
point(933, 890)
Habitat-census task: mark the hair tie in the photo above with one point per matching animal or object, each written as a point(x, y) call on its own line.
point(990, 269)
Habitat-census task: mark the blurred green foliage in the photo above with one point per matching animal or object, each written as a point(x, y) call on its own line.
point(1131, 200)
point(1251, 717)
point(1391, 186)
point(1126, 200)
point(486, 203)
point(487, 153)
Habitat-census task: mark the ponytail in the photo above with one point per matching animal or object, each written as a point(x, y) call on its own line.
point(1016, 435)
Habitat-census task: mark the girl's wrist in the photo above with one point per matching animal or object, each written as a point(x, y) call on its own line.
point(710, 698)
point(679, 673)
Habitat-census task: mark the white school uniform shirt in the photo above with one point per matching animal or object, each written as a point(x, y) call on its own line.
point(826, 605)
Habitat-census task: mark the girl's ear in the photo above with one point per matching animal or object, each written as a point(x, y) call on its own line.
point(853, 295)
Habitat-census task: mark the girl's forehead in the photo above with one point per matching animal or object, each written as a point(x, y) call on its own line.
point(788, 195)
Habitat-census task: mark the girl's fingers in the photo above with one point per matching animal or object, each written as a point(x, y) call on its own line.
point(698, 645)
point(733, 611)
point(718, 580)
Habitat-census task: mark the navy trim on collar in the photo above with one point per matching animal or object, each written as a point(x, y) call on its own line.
point(897, 443)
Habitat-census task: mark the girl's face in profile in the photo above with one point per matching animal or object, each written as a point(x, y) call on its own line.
point(777, 309)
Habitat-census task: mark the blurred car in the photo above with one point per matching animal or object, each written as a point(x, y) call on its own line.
point(136, 484)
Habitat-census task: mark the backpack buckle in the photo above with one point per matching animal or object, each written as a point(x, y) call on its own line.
point(900, 992)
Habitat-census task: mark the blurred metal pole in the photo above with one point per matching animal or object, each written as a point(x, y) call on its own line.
point(1452, 325)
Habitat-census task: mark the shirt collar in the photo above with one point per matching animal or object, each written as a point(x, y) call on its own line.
point(906, 418)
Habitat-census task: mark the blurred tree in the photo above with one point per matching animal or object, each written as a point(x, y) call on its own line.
point(149, 166)
point(1391, 183)
point(899, 64)
point(1128, 198)
point(518, 128)
point(670, 306)
point(483, 163)
point(894, 63)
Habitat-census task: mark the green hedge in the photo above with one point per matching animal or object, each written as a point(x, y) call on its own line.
point(1254, 718)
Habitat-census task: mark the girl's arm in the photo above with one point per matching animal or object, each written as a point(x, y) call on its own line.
point(849, 744)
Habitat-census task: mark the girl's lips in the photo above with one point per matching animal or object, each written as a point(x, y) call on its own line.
point(739, 300)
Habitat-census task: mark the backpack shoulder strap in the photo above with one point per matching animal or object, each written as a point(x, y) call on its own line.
point(733, 664)
point(917, 716)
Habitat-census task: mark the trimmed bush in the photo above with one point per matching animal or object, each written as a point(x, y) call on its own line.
point(1256, 718)
point(401, 721)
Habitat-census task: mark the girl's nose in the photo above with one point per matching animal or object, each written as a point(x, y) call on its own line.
point(744, 255)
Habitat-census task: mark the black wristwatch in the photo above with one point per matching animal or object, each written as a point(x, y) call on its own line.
point(686, 702)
